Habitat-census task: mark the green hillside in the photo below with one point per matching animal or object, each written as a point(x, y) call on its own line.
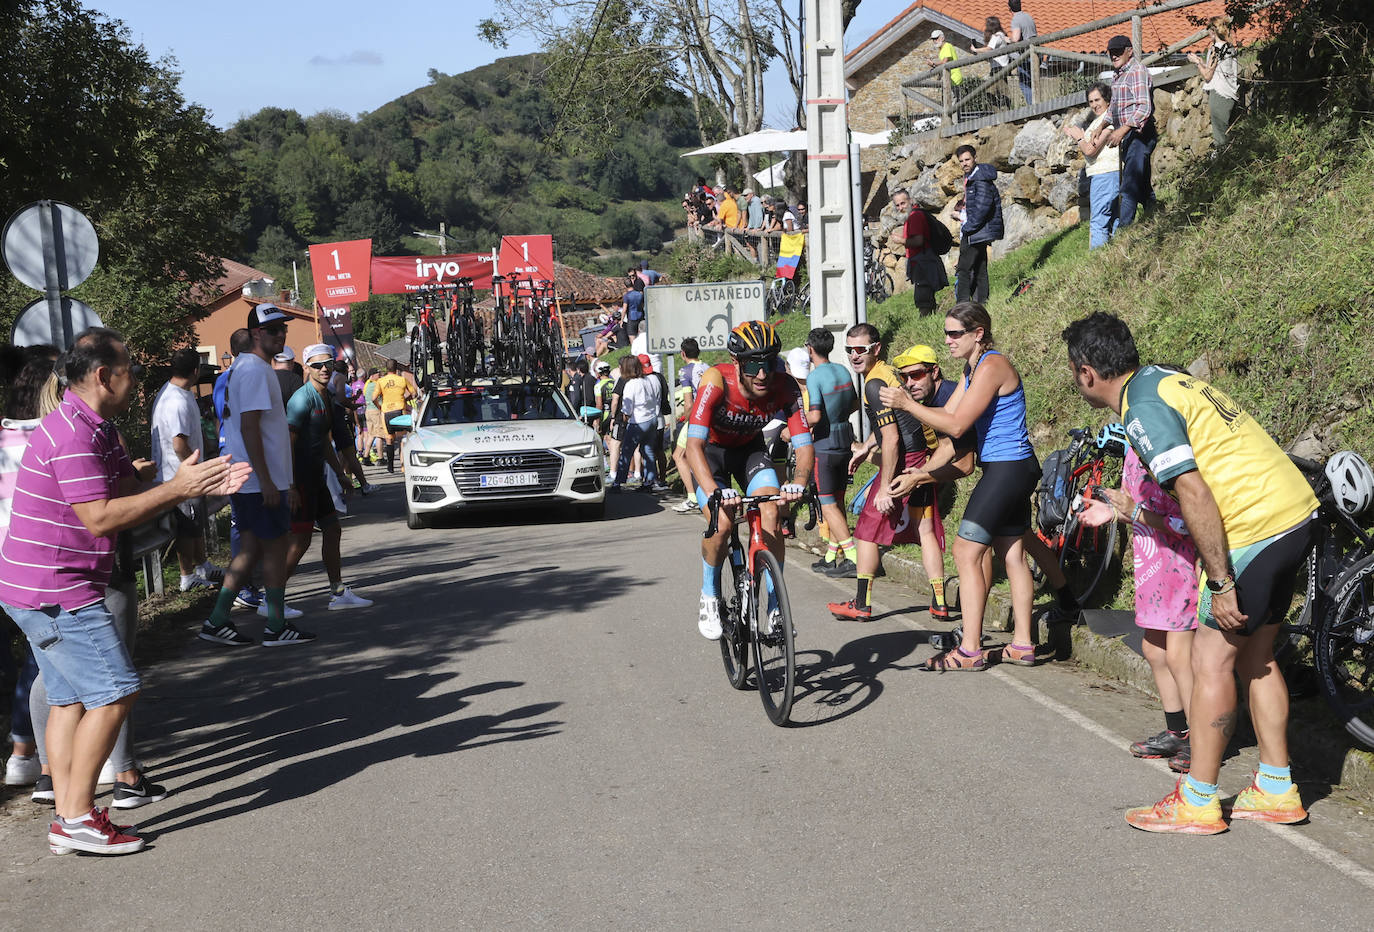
point(467, 150)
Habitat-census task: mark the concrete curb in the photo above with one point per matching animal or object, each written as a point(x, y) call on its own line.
point(1315, 741)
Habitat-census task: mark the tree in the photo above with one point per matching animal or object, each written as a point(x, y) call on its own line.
point(88, 119)
point(613, 58)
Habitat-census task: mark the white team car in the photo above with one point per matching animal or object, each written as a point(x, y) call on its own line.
point(501, 443)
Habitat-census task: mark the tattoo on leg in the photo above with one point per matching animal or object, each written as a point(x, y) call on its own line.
point(1227, 723)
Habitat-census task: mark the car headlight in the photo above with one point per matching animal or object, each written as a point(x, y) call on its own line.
point(420, 458)
point(579, 451)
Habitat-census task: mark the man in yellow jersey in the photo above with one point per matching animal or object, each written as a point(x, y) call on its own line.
point(392, 398)
point(1251, 513)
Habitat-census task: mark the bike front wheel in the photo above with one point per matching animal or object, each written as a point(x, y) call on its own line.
point(734, 639)
point(774, 660)
point(1343, 651)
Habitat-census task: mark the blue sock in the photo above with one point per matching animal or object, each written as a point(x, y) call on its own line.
point(772, 596)
point(1197, 793)
point(1274, 780)
point(710, 579)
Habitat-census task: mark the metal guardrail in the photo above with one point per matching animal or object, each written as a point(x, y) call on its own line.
point(1058, 78)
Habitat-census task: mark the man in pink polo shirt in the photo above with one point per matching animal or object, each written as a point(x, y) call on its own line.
point(77, 489)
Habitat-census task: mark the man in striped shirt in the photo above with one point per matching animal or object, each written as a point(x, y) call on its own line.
point(76, 489)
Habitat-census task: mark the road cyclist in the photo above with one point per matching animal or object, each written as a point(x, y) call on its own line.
point(725, 447)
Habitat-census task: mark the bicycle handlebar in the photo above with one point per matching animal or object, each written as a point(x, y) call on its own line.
point(748, 501)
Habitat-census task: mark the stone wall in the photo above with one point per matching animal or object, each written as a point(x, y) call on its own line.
point(1037, 170)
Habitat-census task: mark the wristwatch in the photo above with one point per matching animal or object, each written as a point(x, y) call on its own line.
point(1224, 584)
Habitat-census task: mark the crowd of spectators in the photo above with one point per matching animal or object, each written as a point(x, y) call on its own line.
point(714, 212)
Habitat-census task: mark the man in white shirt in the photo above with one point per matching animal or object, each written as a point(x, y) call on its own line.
point(255, 432)
point(176, 435)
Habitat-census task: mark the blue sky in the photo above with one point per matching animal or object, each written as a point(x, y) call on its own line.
point(238, 57)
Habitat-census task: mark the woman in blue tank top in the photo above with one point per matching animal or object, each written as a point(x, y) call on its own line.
point(991, 402)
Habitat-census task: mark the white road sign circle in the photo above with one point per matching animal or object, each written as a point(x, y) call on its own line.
point(74, 247)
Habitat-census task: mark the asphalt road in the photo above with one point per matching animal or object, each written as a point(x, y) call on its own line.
point(527, 731)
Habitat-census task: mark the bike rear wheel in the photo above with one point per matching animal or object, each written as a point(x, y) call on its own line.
point(734, 640)
point(1085, 555)
point(1343, 650)
point(774, 659)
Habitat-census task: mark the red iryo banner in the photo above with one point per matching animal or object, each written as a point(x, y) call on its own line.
point(402, 274)
point(527, 257)
point(341, 271)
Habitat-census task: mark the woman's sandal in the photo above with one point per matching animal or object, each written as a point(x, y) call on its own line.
point(1021, 656)
point(955, 659)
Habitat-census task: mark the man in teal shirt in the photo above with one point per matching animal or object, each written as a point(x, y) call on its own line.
point(310, 419)
point(830, 390)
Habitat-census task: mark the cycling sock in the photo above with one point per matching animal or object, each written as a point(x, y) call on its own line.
point(710, 579)
point(1273, 780)
point(832, 552)
point(937, 592)
point(1198, 793)
point(276, 608)
point(223, 602)
point(864, 599)
point(1176, 722)
point(772, 594)
point(337, 588)
point(851, 550)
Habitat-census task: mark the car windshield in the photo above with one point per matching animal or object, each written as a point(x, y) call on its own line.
point(480, 404)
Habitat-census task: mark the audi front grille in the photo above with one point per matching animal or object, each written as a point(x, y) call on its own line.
point(469, 469)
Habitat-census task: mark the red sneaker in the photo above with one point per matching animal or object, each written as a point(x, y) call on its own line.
point(96, 836)
point(939, 612)
point(849, 611)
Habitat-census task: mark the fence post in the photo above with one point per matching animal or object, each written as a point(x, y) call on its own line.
point(1035, 75)
point(1136, 37)
point(946, 97)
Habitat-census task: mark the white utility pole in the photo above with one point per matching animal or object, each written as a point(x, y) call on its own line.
point(442, 238)
point(831, 169)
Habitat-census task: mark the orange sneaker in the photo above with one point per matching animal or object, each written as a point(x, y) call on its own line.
point(1174, 813)
point(848, 611)
point(1255, 805)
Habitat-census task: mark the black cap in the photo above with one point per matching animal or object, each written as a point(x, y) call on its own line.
point(1117, 44)
point(264, 314)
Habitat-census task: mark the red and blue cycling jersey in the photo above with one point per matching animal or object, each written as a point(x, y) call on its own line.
point(724, 417)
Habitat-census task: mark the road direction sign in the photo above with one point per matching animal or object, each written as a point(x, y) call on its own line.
point(50, 232)
point(705, 311)
point(34, 325)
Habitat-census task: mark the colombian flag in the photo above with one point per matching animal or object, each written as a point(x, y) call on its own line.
point(789, 254)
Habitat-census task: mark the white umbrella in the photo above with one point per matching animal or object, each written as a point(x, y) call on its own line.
point(775, 140)
point(771, 177)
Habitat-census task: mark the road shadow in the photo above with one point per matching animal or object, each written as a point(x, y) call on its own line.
point(834, 686)
point(258, 726)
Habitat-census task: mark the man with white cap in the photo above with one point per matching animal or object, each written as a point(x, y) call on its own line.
point(255, 432)
point(948, 53)
point(310, 417)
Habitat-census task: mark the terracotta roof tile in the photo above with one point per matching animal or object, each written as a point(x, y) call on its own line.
point(1158, 31)
point(235, 276)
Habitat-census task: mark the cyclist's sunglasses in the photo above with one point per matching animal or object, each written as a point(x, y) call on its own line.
point(860, 349)
point(756, 365)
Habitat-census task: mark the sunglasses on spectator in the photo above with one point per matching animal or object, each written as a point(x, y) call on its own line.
point(956, 334)
point(756, 365)
point(274, 329)
point(912, 375)
point(859, 349)
point(324, 364)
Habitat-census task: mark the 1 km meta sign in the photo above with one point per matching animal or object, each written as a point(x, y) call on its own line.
point(527, 257)
point(340, 271)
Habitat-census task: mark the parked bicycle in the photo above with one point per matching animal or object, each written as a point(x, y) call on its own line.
point(1071, 479)
point(757, 610)
point(1336, 615)
point(426, 358)
point(878, 285)
point(465, 350)
point(781, 297)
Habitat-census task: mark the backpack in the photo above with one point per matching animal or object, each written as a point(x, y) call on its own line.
point(941, 240)
point(1052, 495)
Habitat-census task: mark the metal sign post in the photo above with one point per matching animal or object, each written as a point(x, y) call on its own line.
point(52, 247)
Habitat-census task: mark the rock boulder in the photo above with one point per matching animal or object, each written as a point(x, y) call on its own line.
point(1032, 142)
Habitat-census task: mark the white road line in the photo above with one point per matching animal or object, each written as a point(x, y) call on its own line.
point(1331, 859)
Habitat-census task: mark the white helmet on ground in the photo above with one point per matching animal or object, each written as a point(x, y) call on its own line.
point(1352, 482)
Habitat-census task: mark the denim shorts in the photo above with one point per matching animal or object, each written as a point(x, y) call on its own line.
point(79, 653)
point(257, 519)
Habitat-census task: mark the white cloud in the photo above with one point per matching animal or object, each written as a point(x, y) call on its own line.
point(364, 57)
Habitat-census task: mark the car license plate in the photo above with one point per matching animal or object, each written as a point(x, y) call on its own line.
point(501, 480)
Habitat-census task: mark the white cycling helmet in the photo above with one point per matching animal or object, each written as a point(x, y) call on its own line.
point(1352, 482)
